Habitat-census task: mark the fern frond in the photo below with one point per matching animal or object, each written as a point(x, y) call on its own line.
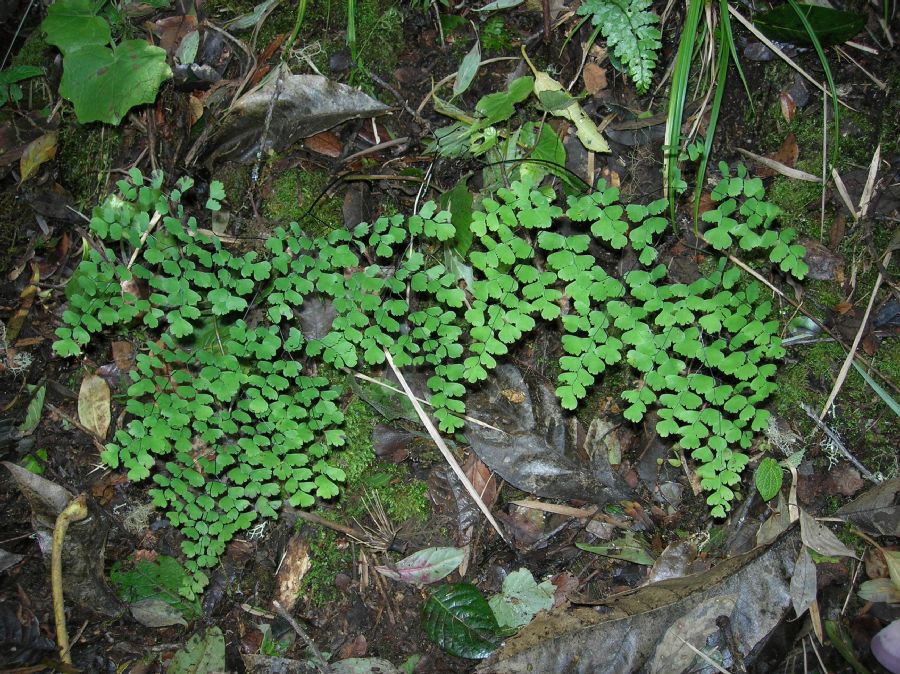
point(629, 28)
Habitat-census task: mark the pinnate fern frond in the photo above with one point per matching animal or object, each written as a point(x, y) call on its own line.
point(629, 28)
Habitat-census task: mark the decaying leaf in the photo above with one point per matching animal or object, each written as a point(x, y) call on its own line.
point(36, 153)
point(425, 566)
point(638, 633)
point(819, 538)
point(877, 510)
point(93, 405)
point(594, 78)
point(304, 106)
point(535, 448)
point(788, 106)
point(291, 572)
point(156, 613)
point(558, 102)
point(803, 583)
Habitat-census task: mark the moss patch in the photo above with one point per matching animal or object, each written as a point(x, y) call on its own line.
point(85, 157)
point(298, 195)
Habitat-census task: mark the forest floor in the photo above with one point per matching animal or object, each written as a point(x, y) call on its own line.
point(399, 497)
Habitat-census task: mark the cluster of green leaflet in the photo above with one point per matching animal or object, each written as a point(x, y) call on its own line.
point(230, 420)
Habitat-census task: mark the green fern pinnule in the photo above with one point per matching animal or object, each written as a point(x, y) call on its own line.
point(631, 34)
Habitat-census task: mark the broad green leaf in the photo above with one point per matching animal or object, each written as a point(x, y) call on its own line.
point(768, 478)
point(160, 579)
point(459, 620)
point(521, 598)
point(831, 26)
point(34, 411)
point(73, 24)
point(467, 69)
point(499, 106)
point(628, 548)
point(104, 84)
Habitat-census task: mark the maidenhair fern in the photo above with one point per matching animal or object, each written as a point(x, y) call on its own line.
point(629, 28)
point(230, 419)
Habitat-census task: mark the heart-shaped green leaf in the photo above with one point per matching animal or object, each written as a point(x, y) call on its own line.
point(104, 85)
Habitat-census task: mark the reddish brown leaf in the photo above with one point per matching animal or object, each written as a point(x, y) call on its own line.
point(594, 78)
point(123, 355)
point(481, 477)
point(788, 106)
point(172, 29)
point(566, 584)
point(272, 47)
point(325, 143)
point(838, 227)
point(354, 649)
point(787, 154)
point(105, 489)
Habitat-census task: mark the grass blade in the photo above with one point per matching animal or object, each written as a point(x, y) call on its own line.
point(677, 98)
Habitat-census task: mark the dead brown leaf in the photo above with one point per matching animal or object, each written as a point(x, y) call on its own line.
point(123, 355)
point(788, 106)
point(354, 649)
point(787, 154)
point(172, 29)
point(325, 143)
point(481, 477)
point(93, 405)
point(15, 324)
point(594, 78)
point(823, 264)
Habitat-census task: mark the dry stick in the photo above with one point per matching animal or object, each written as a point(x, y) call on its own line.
point(836, 439)
point(320, 662)
point(759, 277)
point(703, 656)
point(848, 361)
point(454, 465)
point(372, 380)
point(76, 510)
point(877, 82)
point(321, 521)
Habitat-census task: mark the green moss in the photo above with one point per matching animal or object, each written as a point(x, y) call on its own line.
point(299, 195)
point(798, 201)
point(236, 178)
point(85, 156)
point(34, 51)
point(330, 555)
point(403, 498)
point(379, 31)
point(495, 36)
